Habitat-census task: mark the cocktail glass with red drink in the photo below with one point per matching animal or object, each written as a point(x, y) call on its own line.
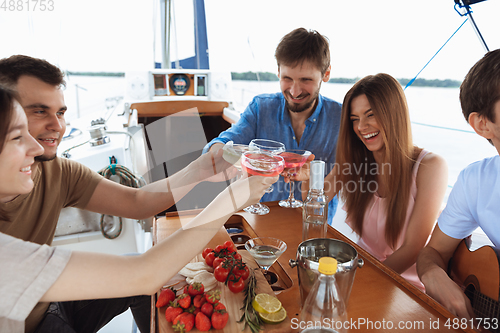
point(260, 163)
point(294, 159)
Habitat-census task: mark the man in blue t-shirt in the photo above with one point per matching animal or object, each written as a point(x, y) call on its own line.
point(475, 198)
point(299, 116)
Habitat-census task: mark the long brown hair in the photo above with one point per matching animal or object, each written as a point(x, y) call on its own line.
point(7, 97)
point(357, 165)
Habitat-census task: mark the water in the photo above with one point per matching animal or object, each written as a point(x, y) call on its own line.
point(95, 94)
point(428, 105)
point(265, 255)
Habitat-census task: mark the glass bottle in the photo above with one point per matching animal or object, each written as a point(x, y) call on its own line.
point(324, 310)
point(315, 208)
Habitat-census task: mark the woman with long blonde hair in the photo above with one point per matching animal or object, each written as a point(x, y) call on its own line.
point(392, 189)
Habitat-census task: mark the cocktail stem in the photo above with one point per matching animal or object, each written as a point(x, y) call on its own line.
point(292, 189)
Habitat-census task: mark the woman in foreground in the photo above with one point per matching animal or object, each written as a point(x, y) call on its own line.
point(392, 190)
point(31, 273)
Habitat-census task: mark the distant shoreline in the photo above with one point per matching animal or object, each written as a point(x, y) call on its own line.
point(266, 76)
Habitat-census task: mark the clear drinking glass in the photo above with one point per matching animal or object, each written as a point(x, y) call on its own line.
point(260, 163)
point(232, 154)
point(265, 250)
point(271, 147)
point(294, 159)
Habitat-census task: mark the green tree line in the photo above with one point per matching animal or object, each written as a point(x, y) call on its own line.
point(266, 76)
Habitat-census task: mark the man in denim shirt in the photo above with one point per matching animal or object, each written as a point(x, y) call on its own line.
point(299, 116)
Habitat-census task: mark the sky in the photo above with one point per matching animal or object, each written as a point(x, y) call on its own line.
point(366, 36)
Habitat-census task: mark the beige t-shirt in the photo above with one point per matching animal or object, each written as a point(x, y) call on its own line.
point(33, 217)
point(57, 184)
point(28, 271)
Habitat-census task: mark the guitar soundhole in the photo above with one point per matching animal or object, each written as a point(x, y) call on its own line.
point(470, 293)
point(472, 290)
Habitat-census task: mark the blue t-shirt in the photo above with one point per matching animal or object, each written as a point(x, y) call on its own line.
point(266, 117)
point(474, 202)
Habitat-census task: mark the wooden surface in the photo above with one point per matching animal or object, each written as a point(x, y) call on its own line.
point(166, 108)
point(163, 228)
point(379, 297)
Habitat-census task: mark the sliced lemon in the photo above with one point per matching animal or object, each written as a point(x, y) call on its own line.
point(273, 318)
point(265, 303)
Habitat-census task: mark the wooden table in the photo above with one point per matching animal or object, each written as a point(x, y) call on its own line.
point(380, 298)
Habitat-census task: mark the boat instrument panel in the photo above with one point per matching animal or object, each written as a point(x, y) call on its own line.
point(180, 84)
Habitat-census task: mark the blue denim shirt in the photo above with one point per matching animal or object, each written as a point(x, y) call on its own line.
point(266, 117)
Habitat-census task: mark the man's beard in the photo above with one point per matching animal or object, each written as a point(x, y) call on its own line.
point(297, 108)
point(43, 158)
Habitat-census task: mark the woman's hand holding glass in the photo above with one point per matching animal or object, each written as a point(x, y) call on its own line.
point(213, 167)
point(232, 154)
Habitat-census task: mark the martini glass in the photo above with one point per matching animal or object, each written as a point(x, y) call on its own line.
point(265, 251)
point(260, 163)
point(294, 159)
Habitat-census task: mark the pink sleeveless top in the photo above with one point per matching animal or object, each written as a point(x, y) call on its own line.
point(373, 239)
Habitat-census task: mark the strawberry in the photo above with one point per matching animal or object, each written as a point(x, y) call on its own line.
point(196, 288)
point(202, 322)
point(219, 319)
point(183, 322)
point(219, 306)
point(207, 309)
point(184, 300)
point(191, 309)
point(166, 296)
point(172, 312)
point(212, 296)
point(199, 300)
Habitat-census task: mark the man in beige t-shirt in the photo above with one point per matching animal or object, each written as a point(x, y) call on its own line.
point(60, 183)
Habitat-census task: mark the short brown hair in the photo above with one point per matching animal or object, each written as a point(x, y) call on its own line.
point(300, 45)
point(12, 68)
point(480, 89)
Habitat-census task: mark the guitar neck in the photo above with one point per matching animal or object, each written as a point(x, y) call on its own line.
point(484, 306)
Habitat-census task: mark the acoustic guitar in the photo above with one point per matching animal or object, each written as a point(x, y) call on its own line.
point(478, 273)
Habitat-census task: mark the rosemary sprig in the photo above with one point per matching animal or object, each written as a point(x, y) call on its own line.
point(249, 314)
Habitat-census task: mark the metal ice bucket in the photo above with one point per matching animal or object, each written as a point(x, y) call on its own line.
point(308, 254)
